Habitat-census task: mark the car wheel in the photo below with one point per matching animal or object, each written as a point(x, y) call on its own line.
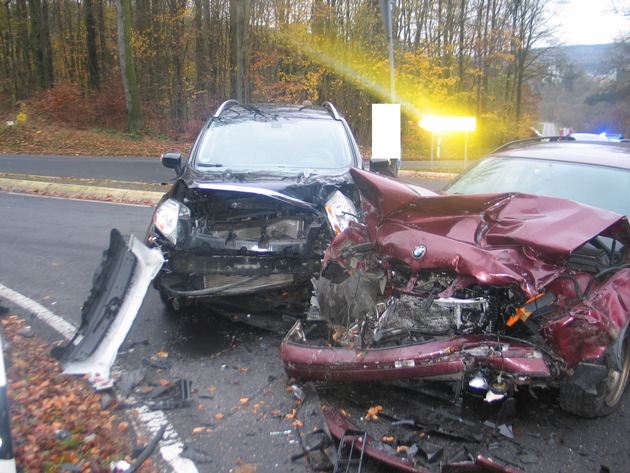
point(603, 400)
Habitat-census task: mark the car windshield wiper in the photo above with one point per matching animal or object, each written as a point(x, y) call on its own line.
point(209, 165)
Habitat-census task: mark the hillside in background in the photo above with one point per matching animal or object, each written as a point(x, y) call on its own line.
point(592, 58)
point(584, 88)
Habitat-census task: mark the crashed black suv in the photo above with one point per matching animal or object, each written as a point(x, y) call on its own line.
point(264, 190)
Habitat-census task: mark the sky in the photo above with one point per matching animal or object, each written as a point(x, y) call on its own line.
point(590, 22)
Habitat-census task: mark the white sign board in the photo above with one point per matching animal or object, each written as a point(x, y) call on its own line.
point(446, 123)
point(386, 145)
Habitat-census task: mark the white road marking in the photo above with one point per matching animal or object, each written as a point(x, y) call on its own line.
point(150, 421)
point(59, 324)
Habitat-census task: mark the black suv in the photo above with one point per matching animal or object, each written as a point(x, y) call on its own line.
point(264, 190)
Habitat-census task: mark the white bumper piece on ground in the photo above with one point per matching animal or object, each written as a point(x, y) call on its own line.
point(118, 291)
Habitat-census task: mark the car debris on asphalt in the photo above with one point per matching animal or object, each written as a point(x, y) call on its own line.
point(428, 439)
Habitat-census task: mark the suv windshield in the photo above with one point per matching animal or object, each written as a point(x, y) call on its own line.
point(268, 143)
point(599, 186)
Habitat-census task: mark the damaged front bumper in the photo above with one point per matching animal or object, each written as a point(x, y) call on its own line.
point(306, 355)
point(118, 290)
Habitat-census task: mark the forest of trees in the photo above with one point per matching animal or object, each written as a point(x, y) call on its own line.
point(176, 60)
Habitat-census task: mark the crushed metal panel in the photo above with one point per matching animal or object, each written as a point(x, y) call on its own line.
point(118, 291)
point(497, 238)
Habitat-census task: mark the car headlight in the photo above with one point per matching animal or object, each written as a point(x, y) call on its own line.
point(340, 211)
point(166, 218)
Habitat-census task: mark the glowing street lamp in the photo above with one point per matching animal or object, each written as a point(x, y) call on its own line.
point(440, 124)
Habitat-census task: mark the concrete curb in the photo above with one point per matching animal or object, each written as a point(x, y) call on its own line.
point(95, 192)
point(445, 176)
point(117, 194)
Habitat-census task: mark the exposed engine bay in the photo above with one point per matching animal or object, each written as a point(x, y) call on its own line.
point(227, 240)
point(235, 221)
point(412, 318)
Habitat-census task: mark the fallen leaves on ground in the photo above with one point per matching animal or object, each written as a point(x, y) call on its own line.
point(373, 413)
point(45, 138)
point(58, 422)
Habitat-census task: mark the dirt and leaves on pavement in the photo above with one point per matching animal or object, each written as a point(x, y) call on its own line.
point(58, 422)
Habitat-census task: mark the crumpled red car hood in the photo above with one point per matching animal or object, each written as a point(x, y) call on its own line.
point(506, 238)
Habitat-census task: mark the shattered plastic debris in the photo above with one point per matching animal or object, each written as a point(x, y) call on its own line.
point(431, 452)
point(281, 432)
point(313, 441)
point(180, 397)
point(493, 397)
point(120, 466)
point(158, 363)
point(196, 455)
point(118, 290)
point(297, 392)
point(130, 379)
point(503, 429)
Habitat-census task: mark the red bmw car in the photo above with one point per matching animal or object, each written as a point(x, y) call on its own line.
point(516, 276)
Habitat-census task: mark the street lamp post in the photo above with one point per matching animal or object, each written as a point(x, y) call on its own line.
point(386, 12)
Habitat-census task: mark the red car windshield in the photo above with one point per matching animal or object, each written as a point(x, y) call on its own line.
point(600, 186)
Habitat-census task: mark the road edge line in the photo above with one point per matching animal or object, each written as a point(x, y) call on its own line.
point(59, 324)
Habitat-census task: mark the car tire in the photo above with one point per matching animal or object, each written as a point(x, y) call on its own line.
point(603, 400)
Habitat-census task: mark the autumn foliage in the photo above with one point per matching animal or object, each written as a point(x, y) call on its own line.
point(468, 57)
point(67, 104)
point(58, 419)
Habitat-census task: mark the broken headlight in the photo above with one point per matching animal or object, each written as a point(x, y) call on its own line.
point(340, 211)
point(166, 219)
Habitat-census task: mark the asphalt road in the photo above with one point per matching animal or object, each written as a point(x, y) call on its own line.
point(50, 253)
point(241, 415)
point(51, 247)
point(94, 167)
point(137, 169)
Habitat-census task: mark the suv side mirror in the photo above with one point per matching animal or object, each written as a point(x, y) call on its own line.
point(172, 160)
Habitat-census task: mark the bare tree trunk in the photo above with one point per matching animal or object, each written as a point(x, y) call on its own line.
point(461, 55)
point(528, 26)
point(239, 48)
point(40, 42)
point(132, 96)
point(178, 54)
point(93, 70)
point(201, 51)
point(102, 37)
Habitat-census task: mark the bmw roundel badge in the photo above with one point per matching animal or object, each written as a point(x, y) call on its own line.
point(419, 251)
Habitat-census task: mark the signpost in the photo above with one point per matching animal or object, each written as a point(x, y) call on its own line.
point(440, 124)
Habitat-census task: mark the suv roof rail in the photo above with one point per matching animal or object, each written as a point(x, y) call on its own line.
point(225, 105)
point(331, 108)
point(535, 139)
